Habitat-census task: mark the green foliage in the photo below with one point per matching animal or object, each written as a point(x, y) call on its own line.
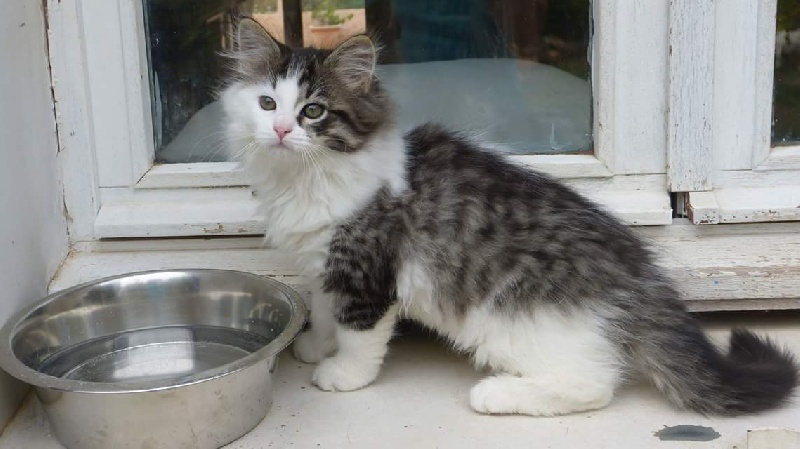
point(788, 15)
point(310, 5)
point(324, 12)
point(265, 6)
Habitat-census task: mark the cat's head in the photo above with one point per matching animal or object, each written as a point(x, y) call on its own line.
point(282, 102)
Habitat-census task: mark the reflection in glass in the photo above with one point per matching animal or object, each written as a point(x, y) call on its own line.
point(786, 93)
point(514, 72)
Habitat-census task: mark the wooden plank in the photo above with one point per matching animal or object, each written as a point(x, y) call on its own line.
point(746, 205)
point(293, 23)
point(172, 244)
point(730, 283)
point(637, 208)
point(743, 305)
point(137, 87)
point(229, 174)
point(137, 213)
point(765, 72)
point(702, 208)
point(174, 218)
point(735, 72)
point(731, 262)
point(750, 205)
point(565, 166)
point(773, 438)
point(76, 145)
point(105, 78)
point(85, 266)
point(603, 62)
point(690, 111)
point(723, 267)
point(756, 178)
point(239, 217)
point(629, 70)
point(207, 174)
point(782, 158)
point(641, 74)
point(130, 213)
point(710, 249)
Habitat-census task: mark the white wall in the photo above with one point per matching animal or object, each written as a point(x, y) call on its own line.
point(33, 236)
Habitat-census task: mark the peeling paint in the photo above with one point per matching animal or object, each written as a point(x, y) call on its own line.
point(53, 97)
point(219, 229)
point(57, 274)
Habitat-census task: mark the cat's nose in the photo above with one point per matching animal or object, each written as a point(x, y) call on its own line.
point(282, 131)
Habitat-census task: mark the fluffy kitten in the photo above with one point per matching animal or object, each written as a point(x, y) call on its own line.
point(559, 299)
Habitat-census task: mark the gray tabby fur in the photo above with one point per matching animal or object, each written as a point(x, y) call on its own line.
point(542, 286)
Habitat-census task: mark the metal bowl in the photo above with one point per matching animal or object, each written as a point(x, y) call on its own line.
point(160, 359)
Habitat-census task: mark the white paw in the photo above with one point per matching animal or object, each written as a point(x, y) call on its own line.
point(308, 348)
point(509, 394)
point(491, 396)
point(344, 374)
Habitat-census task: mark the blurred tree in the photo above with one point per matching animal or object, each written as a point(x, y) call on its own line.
point(788, 15)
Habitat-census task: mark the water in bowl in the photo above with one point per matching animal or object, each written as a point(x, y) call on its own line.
point(146, 355)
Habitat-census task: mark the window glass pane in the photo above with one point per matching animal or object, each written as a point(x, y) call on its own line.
point(786, 99)
point(514, 72)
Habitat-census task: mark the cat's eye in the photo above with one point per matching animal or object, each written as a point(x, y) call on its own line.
point(266, 103)
point(313, 110)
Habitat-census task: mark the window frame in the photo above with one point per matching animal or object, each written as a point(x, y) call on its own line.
point(113, 189)
point(750, 180)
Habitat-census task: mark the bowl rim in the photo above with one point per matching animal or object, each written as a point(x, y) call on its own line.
point(13, 366)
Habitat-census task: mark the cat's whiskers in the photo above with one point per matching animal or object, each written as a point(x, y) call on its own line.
point(304, 158)
point(222, 137)
point(315, 163)
point(320, 151)
point(318, 171)
point(227, 146)
point(314, 153)
point(243, 151)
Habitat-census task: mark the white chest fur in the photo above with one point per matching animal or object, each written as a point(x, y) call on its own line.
point(302, 202)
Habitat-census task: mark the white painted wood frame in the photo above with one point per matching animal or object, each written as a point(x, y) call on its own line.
point(114, 190)
point(75, 129)
point(691, 66)
point(726, 267)
point(751, 180)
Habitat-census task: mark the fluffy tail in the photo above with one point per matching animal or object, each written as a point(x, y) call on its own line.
point(754, 375)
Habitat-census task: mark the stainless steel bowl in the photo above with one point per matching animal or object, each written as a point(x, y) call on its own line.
point(161, 359)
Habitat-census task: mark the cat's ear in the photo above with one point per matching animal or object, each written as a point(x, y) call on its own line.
point(254, 46)
point(354, 62)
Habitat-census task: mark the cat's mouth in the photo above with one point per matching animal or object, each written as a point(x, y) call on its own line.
point(282, 146)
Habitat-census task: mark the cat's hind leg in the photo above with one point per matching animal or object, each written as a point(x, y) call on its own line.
point(551, 363)
point(538, 395)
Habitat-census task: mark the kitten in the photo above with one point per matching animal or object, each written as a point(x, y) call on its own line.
point(558, 298)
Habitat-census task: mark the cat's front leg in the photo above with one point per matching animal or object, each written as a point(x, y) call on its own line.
point(319, 340)
point(362, 349)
